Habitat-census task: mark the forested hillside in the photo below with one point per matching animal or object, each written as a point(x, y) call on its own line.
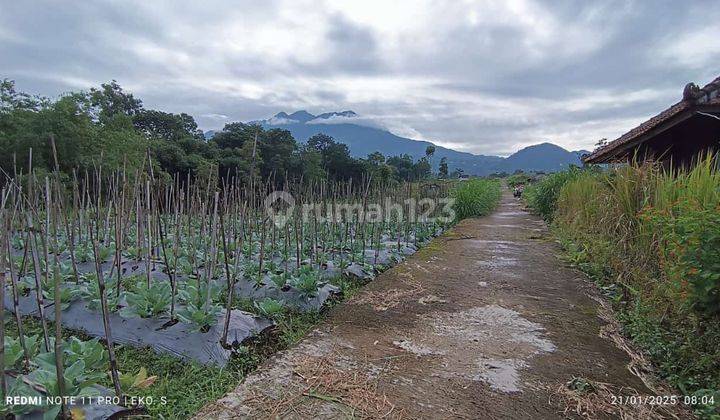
point(364, 137)
point(110, 127)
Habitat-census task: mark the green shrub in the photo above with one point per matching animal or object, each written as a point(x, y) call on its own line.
point(519, 179)
point(651, 239)
point(689, 246)
point(476, 197)
point(543, 195)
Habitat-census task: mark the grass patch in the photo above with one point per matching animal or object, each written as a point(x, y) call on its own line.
point(542, 196)
point(182, 388)
point(476, 197)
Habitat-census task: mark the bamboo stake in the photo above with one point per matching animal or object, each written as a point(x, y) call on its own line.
point(231, 284)
point(176, 246)
point(106, 318)
point(148, 233)
point(59, 366)
point(16, 304)
point(68, 232)
point(262, 253)
point(213, 251)
point(171, 272)
point(38, 281)
point(3, 384)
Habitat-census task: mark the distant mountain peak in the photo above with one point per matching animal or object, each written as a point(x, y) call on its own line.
point(544, 156)
point(363, 138)
point(548, 147)
point(343, 114)
point(544, 145)
point(302, 116)
point(282, 118)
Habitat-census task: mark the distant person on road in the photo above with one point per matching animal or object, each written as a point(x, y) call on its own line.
point(518, 190)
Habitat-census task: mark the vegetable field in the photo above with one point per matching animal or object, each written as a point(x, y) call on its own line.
point(111, 277)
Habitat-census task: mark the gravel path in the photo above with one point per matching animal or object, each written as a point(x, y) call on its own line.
point(485, 322)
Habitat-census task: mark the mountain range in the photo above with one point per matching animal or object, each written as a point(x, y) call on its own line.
point(364, 137)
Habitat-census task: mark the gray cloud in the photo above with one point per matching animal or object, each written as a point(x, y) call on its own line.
point(481, 76)
point(353, 47)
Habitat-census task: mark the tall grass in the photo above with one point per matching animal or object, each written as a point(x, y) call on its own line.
point(519, 179)
point(651, 239)
point(542, 196)
point(476, 197)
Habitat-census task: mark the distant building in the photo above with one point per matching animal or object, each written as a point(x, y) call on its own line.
point(675, 135)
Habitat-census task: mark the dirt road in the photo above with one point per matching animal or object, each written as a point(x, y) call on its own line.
point(485, 322)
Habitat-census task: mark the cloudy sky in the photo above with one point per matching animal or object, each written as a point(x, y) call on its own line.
point(480, 76)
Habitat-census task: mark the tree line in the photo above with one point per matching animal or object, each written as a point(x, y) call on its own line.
point(110, 127)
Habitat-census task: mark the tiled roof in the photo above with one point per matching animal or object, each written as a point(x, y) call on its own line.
point(707, 96)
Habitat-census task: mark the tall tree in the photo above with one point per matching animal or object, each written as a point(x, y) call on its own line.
point(429, 151)
point(167, 126)
point(443, 169)
point(277, 149)
point(111, 100)
point(312, 164)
